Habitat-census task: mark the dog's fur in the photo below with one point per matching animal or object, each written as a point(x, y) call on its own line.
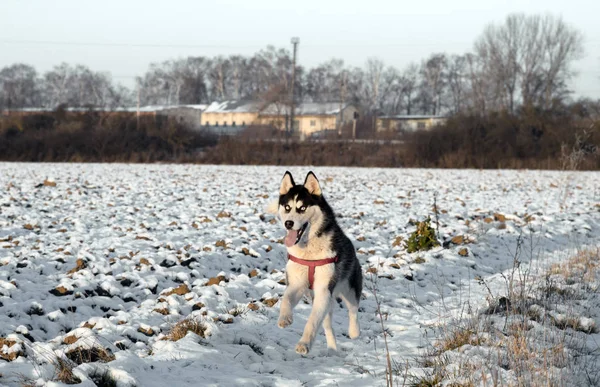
point(317, 236)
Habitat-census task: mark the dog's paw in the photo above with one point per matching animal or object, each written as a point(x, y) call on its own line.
point(285, 321)
point(353, 332)
point(332, 352)
point(302, 348)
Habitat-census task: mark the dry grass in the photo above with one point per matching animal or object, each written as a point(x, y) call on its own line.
point(457, 338)
point(181, 329)
point(537, 339)
point(90, 355)
point(583, 266)
point(239, 310)
point(63, 372)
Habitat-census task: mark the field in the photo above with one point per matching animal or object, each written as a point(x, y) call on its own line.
point(155, 275)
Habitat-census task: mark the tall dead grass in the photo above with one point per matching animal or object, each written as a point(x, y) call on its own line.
point(536, 334)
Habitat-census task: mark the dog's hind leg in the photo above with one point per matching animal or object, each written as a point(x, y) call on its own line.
point(329, 335)
point(352, 305)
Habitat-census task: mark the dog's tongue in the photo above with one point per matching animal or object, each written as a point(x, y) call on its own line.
point(290, 238)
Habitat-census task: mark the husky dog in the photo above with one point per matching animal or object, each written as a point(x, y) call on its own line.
point(320, 258)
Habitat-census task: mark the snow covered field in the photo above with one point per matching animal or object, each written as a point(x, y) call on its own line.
point(111, 257)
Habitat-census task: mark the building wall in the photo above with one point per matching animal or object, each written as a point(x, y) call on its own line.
point(306, 123)
point(348, 114)
point(276, 121)
point(189, 116)
point(316, 123)
point(228, 118)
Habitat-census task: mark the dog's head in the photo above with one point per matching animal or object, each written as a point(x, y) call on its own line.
point(298, 206)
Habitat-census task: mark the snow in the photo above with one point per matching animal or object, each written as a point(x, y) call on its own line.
point(233, 107)
point(143, 231)
point(305, 108)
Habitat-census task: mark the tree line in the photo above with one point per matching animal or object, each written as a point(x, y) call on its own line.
point(525, 61)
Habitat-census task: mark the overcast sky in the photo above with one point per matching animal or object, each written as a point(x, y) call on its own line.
point(123, 37)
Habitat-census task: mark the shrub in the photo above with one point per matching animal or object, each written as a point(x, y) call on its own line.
point(181, 329)
point(423, 238)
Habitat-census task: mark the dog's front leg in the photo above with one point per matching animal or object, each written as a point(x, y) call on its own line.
point(292, 295)
point(321, 305)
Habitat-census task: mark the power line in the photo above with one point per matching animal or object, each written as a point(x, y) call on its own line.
point(155, 45)
point(159, 45)
point(99, 44)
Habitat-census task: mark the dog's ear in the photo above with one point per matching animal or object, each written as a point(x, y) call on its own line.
point(312, 184)
point(286, 183)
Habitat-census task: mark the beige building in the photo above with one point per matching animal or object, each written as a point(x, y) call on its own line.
point(407, 123)
point(230, 113)
point(309, 118)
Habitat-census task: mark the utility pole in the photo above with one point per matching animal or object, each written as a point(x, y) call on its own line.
point(295, 42)
point(137, 115)
point(342, 100)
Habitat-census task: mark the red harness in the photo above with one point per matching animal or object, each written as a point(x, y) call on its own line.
point(311, 266)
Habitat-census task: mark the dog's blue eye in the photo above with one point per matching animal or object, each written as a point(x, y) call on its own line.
point(303, 208)
point(287, 208)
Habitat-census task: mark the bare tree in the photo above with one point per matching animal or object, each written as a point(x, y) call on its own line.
point(409, 82)
point(477, 86)
point(373, 81)
point(181, 81)
point(456, 82)
point(391, 91)
point(191, 75)
point(218, 76)
point(433, 83)
point(18, 86)
point(56, 85)
point(327, 82)
point(79, 86)
point(528, 59)
point(237, 82)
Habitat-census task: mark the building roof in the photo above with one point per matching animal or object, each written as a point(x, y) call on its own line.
point(200, 107)
point(233, 107)
point(308, 108)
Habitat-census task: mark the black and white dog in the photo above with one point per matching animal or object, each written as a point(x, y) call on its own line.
point(320, 258)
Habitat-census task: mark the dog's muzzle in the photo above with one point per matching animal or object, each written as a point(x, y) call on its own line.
point(293, 236)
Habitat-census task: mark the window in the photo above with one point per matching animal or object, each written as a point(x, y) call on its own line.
point(224, 123)
point(206, 123)
point(243, 123)
point(420, 125)
point(233, 123)
point(216, 123)
point(313, 122)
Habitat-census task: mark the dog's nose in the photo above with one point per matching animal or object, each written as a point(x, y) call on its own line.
point(289, 224)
